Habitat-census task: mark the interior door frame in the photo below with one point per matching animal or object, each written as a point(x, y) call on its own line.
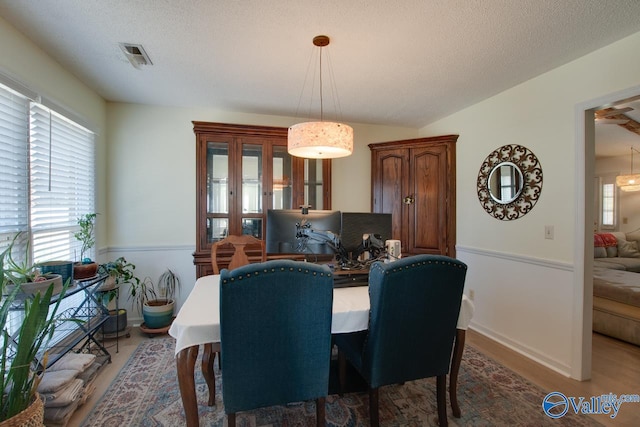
point(583, 245)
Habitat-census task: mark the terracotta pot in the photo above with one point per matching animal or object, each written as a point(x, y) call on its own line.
point(84, 271)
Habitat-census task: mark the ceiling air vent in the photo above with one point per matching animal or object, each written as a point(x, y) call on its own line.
point(136, 54)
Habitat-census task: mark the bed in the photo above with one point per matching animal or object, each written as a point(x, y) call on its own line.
point(616, 304)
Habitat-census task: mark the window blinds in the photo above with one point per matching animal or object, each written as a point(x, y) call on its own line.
point(14, 185)
point(62, 165)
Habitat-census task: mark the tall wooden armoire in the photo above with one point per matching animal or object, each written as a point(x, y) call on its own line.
point(415, 181)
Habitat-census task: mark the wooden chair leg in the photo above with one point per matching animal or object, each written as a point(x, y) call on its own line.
point(231, 420)
point(374, 417)
point(320, 412)
point(342, 374)
point(441, 397)
point(458, 349)
point(207, 372)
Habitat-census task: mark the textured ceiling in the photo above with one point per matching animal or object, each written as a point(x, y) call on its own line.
point(402, 62)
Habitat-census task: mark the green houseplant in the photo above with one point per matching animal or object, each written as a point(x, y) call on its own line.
point(27, 277)
point(20, 377)
point(120, 272)
point(86, 268)
point(156, 305)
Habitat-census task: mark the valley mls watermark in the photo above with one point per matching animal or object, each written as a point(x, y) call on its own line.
point(556, 404)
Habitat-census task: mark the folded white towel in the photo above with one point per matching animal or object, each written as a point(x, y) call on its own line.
point(54, 417)
point(52, 381)
point(76, 361)
point(64, 396)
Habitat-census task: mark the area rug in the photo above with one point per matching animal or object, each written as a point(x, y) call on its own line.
point(145, 393)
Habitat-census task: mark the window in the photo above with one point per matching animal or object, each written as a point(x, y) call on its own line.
point(61, 181)
point(47, 179)
point(608, 200)
point(14, 177)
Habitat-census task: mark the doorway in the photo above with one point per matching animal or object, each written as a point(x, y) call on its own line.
point(583, 273)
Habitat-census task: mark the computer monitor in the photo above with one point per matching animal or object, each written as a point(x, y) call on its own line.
point(281, 231)
point(356, 224)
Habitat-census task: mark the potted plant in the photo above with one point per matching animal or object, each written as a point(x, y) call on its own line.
point(156, 306)
point(120, 272)
point(86, 268)
point(20, 403)
point(24, 276)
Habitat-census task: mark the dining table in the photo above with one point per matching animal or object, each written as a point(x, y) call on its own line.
point(198, 323)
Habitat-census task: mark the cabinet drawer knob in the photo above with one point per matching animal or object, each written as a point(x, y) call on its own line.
point(408, 200)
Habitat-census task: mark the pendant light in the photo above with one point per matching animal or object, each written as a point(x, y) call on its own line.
point(629, 182)
point(320, 139)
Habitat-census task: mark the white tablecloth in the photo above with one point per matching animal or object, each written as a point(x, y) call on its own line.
point(198, 321)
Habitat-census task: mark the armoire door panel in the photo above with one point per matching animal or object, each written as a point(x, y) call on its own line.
point(427, 218)
point(392, 171)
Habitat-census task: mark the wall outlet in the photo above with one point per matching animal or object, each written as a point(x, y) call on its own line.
point(472, 294)
point(548, 232)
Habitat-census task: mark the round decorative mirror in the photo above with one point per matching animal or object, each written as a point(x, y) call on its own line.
point(505, 182)
point(509, 182)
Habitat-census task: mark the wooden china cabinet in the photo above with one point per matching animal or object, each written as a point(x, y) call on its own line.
point(415, 181)
point(241, 172)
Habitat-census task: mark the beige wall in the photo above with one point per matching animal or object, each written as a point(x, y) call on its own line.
point(528, 289)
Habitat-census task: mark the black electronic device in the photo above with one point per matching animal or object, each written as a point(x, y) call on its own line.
point(284, 225)
point(365, 231)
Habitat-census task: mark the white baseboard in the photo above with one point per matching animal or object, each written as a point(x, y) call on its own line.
point(524, 350)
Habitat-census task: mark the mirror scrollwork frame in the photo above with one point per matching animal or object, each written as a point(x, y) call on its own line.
point(509, 182)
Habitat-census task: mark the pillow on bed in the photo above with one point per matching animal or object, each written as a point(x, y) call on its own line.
point(597, 241)
point(633, 236)
point(609, 239)
point(628, 250)
point(599, 252)
point(612, 251)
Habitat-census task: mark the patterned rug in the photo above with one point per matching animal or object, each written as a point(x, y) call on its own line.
point(145, 393)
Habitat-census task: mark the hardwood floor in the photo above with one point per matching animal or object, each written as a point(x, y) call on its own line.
point(615, 369)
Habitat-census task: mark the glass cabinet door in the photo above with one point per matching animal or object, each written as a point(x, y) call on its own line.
point(252, 186)
point(217, 190)
point(282, 194)
point(313, 183)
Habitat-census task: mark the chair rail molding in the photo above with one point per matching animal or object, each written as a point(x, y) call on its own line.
point(542, 262)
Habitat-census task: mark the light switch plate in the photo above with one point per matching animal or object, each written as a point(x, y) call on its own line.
point(548, 232)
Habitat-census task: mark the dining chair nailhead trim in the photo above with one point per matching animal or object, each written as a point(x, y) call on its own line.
point(273, 270)
point(412, 265)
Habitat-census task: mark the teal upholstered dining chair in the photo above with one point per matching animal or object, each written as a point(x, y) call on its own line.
point(275, 335)
point(415, 304)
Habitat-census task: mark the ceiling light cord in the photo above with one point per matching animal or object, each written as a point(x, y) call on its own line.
point(321, 102)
